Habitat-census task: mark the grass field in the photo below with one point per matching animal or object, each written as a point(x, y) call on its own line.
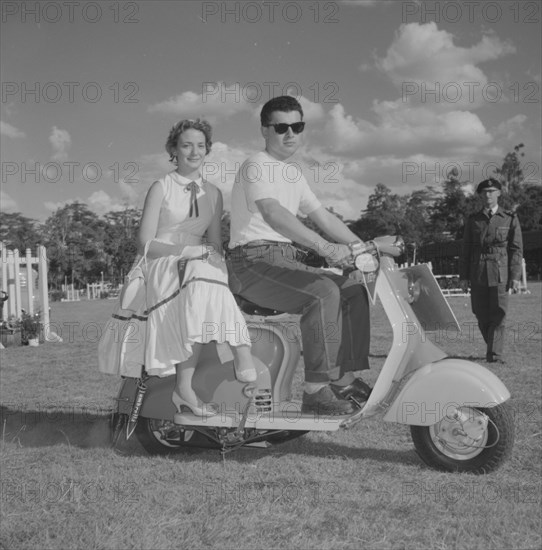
point(63, 487)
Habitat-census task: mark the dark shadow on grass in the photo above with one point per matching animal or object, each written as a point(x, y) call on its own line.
point(307, 448)
point(79, 427)
point(90, 429)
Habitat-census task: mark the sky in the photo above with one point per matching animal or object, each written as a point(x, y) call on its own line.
point(395, 92)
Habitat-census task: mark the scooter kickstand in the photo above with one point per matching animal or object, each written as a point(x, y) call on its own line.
point(250, 391)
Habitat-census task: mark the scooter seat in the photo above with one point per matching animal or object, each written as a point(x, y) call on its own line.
point(250, 308)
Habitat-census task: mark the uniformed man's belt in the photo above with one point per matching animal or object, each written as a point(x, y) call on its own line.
point(492, 249)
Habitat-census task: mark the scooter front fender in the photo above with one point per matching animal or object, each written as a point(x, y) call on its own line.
point(438, 389)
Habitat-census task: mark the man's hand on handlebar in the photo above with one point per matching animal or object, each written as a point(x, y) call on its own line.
point(343, 255)
point(337, 255)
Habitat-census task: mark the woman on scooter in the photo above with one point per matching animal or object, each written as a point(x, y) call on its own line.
point(188, 299)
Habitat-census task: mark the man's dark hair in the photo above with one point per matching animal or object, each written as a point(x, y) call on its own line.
point(284, 103)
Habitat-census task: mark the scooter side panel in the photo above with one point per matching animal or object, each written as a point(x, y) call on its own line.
point(439, 388)
point(215, 382)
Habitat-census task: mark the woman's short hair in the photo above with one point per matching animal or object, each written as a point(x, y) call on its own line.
point(183, 126)
point(284, 103)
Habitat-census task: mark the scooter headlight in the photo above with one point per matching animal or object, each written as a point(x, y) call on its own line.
point(366, 263)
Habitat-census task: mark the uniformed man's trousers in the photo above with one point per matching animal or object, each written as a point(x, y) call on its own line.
point(489, 304)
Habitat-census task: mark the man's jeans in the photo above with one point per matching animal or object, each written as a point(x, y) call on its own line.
point(335, 321)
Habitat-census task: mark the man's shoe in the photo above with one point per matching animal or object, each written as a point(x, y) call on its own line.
point(324, 402)
point(495, 359)
point(357, 390)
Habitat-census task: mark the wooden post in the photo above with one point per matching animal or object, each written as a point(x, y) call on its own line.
point(43, 286)
point(3, 253)
point(11, 285)
point(17, 265)
point(29, 282)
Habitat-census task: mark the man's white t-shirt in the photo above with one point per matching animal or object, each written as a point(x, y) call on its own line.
point(263, 177)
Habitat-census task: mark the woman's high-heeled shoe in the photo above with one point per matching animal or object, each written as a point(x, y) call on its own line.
point(246, 375)
point(206, 409)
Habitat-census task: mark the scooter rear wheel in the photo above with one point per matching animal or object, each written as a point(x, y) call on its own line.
point(161, 437)
point(447, 446)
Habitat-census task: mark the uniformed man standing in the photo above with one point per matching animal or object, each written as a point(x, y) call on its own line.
point(491, 263)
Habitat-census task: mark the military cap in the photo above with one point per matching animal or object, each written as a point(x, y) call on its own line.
point(490, 183)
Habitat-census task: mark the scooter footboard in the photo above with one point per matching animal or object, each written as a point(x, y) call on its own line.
point(438, 389)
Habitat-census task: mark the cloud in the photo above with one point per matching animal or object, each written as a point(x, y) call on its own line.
point(100, 202)
point(330, 182)
point(345, 184)
point(154, 163)
point(420, 61)
point(222, 165)
point(512, 128)
point(151, 167)
point(53, 206)
point(413, 141)
point(10, 131)
point(423, 60)
point(61, 142)
point(404, 130)
point(311, 111)
point(7, 204)
point(216, 99)
point(345, 181)
point(536, 76)
point(362, 3)
point(129, 192)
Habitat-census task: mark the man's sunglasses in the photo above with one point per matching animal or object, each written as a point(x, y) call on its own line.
point(282, 127)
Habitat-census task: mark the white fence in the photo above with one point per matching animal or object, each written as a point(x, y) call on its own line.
point(18, 276)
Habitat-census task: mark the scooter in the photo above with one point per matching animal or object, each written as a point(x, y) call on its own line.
point(456, 409)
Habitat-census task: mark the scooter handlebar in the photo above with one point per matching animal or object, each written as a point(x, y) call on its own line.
point(391, 245)
point(365, 259)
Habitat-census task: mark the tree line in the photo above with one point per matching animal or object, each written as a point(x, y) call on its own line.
point(81, 246)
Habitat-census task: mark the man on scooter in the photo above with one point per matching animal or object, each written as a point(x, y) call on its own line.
point(265, 268)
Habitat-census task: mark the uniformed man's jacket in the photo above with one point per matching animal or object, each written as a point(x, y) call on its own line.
point(492, 249)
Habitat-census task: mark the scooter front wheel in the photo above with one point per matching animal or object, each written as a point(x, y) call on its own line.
point(476, 440)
